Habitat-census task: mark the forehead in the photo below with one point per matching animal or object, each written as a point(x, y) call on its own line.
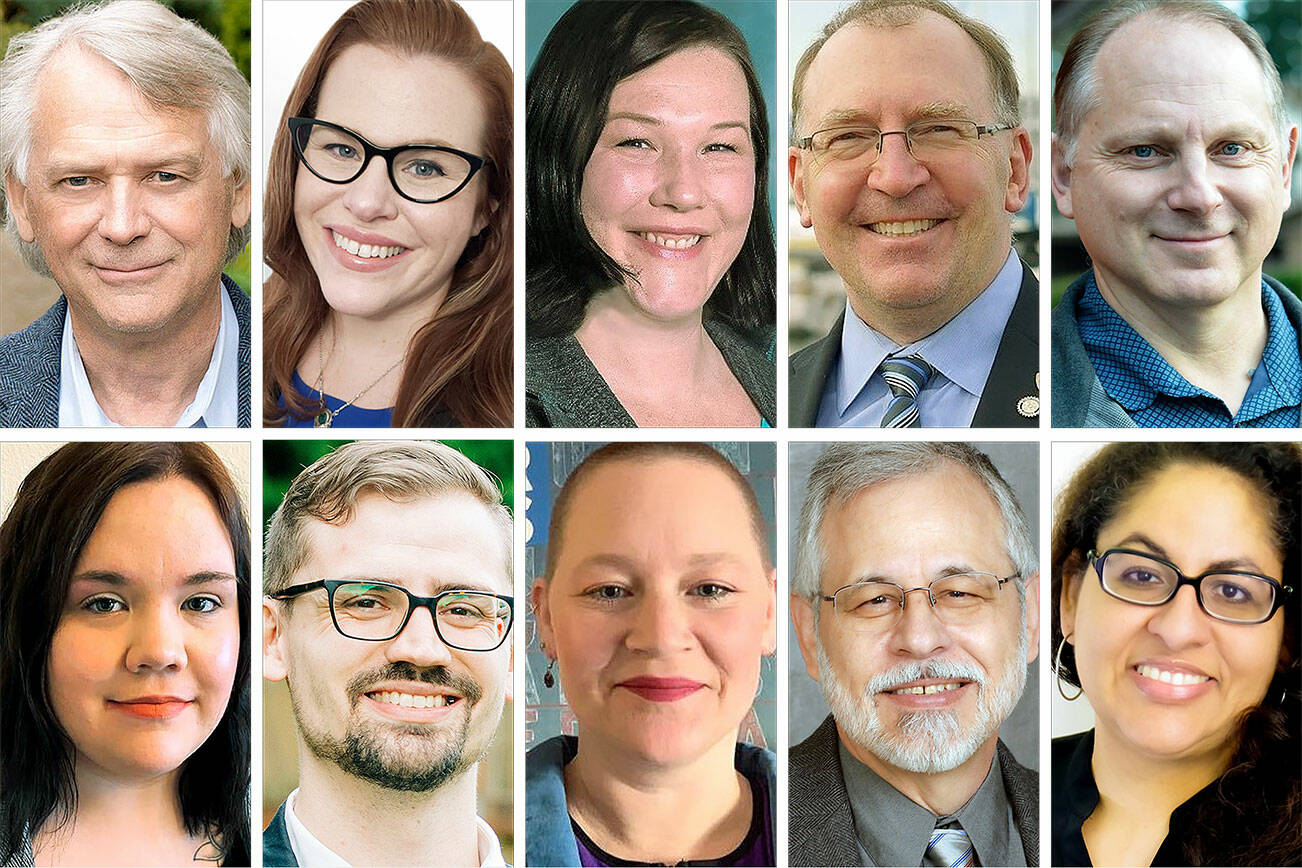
point(395, 99)
point(698, 83)
point(890, 72)
point(426, 544)
point(1157, 69)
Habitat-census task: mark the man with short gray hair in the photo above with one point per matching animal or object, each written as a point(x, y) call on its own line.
point(1173, 152)
point(124, 152)
point(915, 602)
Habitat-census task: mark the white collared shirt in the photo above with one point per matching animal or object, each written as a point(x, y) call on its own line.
point(215, 403)
point(311, 853)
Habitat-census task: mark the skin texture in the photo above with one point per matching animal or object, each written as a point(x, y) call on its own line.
point(1198, 517)
point(674, 159)
point(953, 525)
point(1179, 179)
point(128, 203)
point(907, 287)
point(134, 628)
point(371, 91)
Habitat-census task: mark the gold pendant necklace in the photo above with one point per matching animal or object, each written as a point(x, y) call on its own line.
point(326, 418)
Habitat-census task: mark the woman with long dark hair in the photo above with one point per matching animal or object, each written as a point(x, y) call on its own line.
point(124, 663)
point(388, 227)
point(1175, 578)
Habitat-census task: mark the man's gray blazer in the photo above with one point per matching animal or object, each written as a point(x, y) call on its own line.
point(1013, 376)
point(821, 825)
point(29, 366)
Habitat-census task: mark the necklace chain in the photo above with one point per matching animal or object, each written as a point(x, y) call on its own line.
point(326, 418)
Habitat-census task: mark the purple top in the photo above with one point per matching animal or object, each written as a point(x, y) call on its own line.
point(755, 849)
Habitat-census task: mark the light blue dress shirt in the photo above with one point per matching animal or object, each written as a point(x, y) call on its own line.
point(962, 351)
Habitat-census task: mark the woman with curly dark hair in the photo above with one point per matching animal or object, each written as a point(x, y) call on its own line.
point(124, 662)
point(1175, 578)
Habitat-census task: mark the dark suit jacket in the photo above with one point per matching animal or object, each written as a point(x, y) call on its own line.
point(1012, 377)
point(821, 826)
point(29, 366)
point(276, 850)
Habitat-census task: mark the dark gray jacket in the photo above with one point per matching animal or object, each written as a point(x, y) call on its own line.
point(820, 822)
point(1012, 376)
point(1079, 400)
point(29, 366)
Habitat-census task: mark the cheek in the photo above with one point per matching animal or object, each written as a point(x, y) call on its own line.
point(216, 651)
point(81, 664)
point(609, 190)
point(735, 195)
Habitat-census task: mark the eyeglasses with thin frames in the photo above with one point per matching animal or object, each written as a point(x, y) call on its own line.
point(419, 173)
point(930, 139)
point(468, 620)
point(1226, 595)
point(958, 598)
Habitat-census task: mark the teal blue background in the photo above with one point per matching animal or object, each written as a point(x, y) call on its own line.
point(757, 21)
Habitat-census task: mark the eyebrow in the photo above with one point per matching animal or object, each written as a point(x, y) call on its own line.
point(472, 587)
point(117, 580)
point(1247, 564)
point(650, 121)
point(61, 167)
point(927, 111)
point(942, 573)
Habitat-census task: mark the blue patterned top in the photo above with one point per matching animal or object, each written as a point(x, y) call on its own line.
point(1156, 395)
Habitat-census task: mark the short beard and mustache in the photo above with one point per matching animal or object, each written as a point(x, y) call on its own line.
point(924, 742)
point(408, 758)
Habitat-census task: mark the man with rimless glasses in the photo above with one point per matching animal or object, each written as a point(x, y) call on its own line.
point(388, 613)
point(908, 159)
point(915, 600)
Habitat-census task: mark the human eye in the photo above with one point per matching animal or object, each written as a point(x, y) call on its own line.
point(607, 593)
point(425, 169)
point(341, 150)
point(103, 604)
point(635, 144)
point(1143, 154)
point(721, 147)
point(1233, 151)
point(76, 182)
point(712, 591)
point(1237, 590)
point(1137, 574)
point(166, 177)
point(202, 603)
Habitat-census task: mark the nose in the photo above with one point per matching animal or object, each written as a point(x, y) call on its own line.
point(896, 172)
point(918, 632)
point(124, 217)
point(1195, 190)
point(1181, 622)
point(370, 196)
point(680, 181)
point(660, 626)
point(157, 642)
point(419, 643)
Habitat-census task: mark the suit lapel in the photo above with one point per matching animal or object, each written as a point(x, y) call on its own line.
point(1012, 389)
point(810, 369)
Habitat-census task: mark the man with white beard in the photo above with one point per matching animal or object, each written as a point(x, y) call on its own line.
point(915, 602)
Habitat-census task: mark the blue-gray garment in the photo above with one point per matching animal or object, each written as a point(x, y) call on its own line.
point(549, 838)
point(1142, 390)
point(276, 849)
point(30, 372)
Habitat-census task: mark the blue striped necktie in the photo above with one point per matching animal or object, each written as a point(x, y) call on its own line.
point(906, 376)
point(949, 847)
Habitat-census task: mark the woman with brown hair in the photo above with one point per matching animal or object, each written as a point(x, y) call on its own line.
point(390, 298)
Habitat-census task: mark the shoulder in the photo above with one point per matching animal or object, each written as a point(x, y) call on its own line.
point(276, 849)
point(239, 300)
point(29, 371)
point(814, 761)
point(1292, 304)
point(550, 841)
point(756, 763)
point(1064, 749)
point(1017, 775)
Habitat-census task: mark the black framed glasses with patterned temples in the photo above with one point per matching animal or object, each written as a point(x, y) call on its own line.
point(1226, 595)
point(465, 619)
point(956, 599)
point(420, 173)
point(927, 139)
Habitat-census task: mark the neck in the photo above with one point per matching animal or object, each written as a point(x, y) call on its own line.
point(148, 378)
point(367, 824)
point(649, 811)
point(939, 792)
point(1143, 786)
point(661, 352)
point(1216, 347)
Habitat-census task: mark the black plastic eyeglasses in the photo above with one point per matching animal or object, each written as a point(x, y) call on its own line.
point(420, 173)
point(1226, 595)
point(378, 611)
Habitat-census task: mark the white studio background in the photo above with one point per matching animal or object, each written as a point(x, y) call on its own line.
point(292, 28)
point(1077, 715)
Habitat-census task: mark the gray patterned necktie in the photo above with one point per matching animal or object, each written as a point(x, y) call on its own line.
point(949, 847)
point(906, 376)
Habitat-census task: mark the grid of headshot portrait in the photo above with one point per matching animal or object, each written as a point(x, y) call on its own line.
point(773, 622)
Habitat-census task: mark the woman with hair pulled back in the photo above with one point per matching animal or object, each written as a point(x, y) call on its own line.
point(1175, 576)
point(388, 227)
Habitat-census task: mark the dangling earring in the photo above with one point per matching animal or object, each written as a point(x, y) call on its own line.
point(549, 680)
point(1057, 672)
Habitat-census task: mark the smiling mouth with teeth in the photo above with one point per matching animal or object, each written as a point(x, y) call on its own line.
point(929, 688)
point(411, 700)
point(902, 227)
point(365, 251)
point(671, 242)
point(1168, 677)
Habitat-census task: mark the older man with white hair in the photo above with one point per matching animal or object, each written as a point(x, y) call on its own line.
point(915, 600)
point(124, 150)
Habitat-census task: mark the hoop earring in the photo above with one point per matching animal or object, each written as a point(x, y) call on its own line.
point(1057, 674)
point(549, 680)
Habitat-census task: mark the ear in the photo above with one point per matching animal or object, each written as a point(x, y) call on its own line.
point(542, 615)
point(241, 204)
point(1032, 585)
point(1060, 176)
point(802, 615)
point(510, 671)
point(1073, 574)
point(16, 199)
point(771, 615)
point(274, 667)
point(1019, 176)
point(796, 172)
point(1288, 163)
point(484, 215)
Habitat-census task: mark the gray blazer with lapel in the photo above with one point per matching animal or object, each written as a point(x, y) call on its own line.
point(29, 366)
point(1012, 377)
point(821, 826)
